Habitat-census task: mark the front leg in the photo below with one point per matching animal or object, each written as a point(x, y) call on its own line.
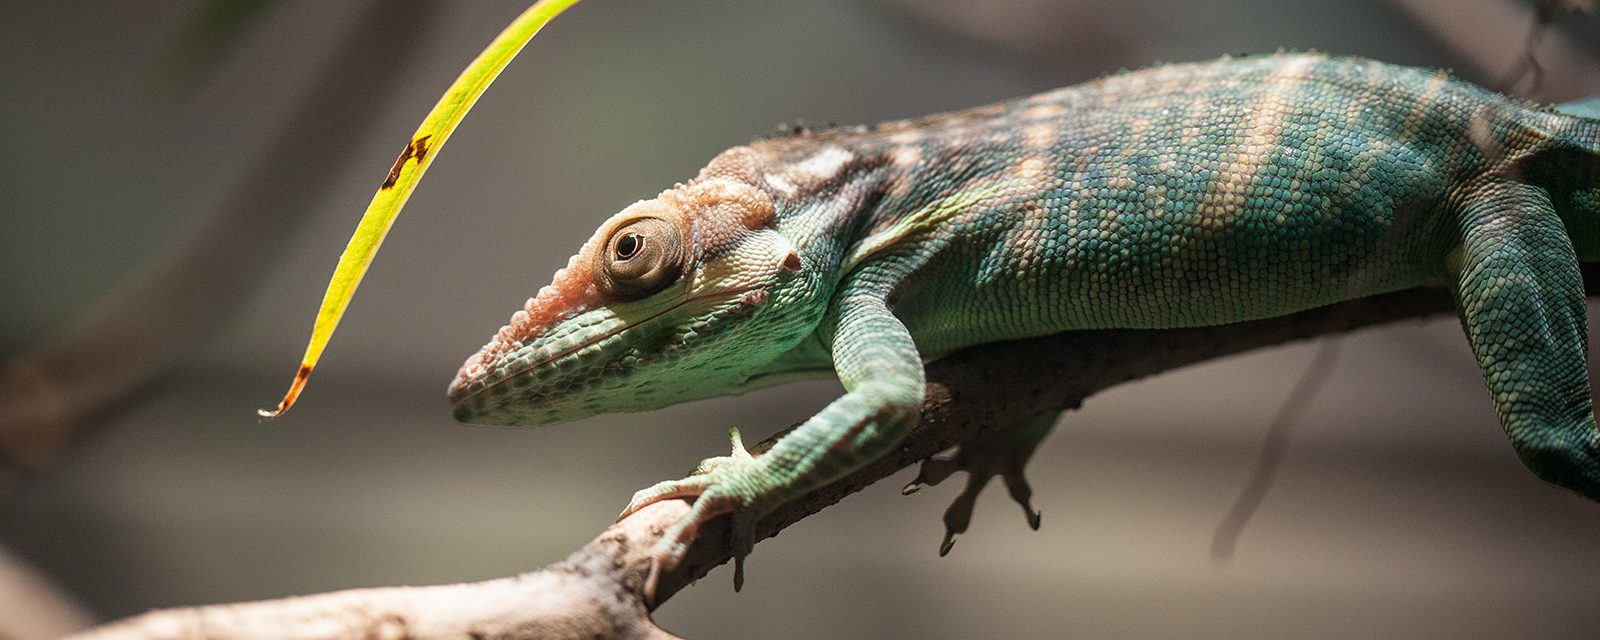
point(882, 372)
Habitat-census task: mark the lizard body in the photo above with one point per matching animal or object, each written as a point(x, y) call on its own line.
point(1177, 196)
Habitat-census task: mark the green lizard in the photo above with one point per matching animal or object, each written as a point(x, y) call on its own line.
point(1177, 196)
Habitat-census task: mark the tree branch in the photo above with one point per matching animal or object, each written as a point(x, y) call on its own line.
point(596, 592)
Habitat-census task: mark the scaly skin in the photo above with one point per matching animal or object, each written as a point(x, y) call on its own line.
point(1177, 196)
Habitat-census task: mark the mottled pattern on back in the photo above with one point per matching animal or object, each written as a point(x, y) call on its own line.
point(1178, 196)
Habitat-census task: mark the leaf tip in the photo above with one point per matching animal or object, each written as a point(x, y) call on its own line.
point(299, 384)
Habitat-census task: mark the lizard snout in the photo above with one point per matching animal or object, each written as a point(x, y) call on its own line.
point(461, 386)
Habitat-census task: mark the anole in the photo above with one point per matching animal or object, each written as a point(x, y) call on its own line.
point(1177, 196)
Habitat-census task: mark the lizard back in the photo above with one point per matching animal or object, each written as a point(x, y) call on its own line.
point(1177, 196)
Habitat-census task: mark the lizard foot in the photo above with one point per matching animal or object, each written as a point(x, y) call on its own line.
point(1001, 453)
point(718, 486)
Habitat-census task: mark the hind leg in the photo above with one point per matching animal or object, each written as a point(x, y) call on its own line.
point(1521, 300)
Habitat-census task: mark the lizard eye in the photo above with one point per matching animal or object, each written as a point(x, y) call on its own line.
point(628, 245)
point(641, 258)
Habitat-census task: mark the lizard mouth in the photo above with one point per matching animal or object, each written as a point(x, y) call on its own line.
point(463, 389)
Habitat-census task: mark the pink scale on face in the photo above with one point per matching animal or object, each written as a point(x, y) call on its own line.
point(571, 292)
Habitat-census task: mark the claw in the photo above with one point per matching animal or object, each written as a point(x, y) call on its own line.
point(674, 544)
point(719, 486)
point(690, 487)
point(693, 486)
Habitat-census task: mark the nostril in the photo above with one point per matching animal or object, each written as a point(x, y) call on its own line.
point(468, 374)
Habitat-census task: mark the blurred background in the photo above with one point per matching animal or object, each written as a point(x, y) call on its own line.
point(178, 178)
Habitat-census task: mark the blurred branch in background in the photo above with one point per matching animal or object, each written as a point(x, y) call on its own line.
point(1273, 446)
point(205, 39)
point(33, 606)
point(597, 592)
point(125, 340)
point(1053, 35)
point(1528, 70)
point(1049, 35)
point(122, 342)
point(1474, 30)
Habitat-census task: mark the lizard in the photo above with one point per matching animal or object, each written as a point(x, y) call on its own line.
point(1177, 196)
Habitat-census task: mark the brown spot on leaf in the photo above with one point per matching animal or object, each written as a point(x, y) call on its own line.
point(417, 148)
point(421, 146)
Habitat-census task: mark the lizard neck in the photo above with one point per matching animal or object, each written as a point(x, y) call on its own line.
point(840, 188)
point(829, 190)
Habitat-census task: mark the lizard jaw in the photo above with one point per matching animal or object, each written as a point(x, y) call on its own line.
point(486, 374)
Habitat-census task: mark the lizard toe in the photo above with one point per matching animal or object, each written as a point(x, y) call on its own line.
point(690, 487)
point(704, 476)
point(726, 485)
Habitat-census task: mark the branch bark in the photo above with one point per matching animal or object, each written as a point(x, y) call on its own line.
point(597, 591)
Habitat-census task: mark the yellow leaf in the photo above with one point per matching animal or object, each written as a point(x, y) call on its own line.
point(420, 152)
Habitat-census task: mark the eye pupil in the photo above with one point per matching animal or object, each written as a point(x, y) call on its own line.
point(628, 246)
point(641, 257)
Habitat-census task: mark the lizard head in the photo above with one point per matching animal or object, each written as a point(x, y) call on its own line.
point(681, 296)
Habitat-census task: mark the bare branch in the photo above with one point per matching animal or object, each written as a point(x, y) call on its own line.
point(592, 594)
point(596, 593)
